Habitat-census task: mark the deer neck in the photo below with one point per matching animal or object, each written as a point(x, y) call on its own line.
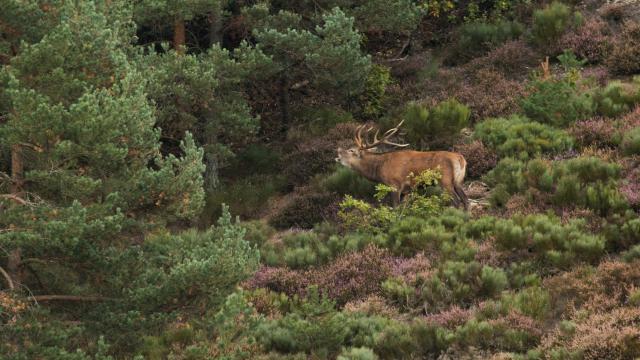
point(369, 166)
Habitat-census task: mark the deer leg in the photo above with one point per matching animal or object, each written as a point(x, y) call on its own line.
point(448, 186)
point(396, 197)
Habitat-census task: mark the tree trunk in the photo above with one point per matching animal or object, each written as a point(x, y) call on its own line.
point(17, 170)
point(284, 102)
point(179, 36)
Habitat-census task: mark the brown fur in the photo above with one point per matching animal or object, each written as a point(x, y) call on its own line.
point(394, 169)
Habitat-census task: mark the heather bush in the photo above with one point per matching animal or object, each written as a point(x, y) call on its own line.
point(623, 58)
point(480, 159)
point(354, 275)
point(551, 22)
point(488, 94)
point(304, 211)
point(478, 37)
point(513, 59)
point(346, 181)
point(596, 132)
point(435, 125)
point(591, 41)
point(521, 138)
point(300, 166)
point(631, 142)
point(557, 102)
point(617, 98)
point(630, 187)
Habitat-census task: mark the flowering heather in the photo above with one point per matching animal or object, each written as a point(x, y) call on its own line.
point(279, 280)
point(371, 305)
point(630, 188)
point(514, 59)
point(353, 275)
point(613, 335)
point(591, 41)
point(450, 318)
point(599, 132)
point(599, 74)
point(410, 269)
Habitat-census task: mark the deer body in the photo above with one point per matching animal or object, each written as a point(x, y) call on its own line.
point(395, 168)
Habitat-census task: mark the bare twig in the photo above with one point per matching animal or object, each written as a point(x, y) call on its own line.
point(7, 278)
point(14, 198)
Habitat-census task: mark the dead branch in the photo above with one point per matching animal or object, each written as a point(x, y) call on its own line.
point(7, 278)
point(14, 198)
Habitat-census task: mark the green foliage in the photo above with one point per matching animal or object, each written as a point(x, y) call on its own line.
point(373, 97)
point(435, 125)
point(547, 238)
point(358, 215)
point(478, 37)
point(331, 52)
point(570, 62)
point(617, 98)
point(557, 102)
point(551, 22)
point(521, 138)
point(361, 353)
point(346, 181)
point(316, 328)
point(586, 182)
point(180, 267)
point(631, 142)
point(392, 16)
point(245, 197)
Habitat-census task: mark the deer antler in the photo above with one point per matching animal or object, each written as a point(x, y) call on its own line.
point(364, 144)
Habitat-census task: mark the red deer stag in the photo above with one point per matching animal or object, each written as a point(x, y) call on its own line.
point(395, 168)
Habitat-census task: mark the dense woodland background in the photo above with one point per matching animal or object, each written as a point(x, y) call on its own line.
point(126, 125)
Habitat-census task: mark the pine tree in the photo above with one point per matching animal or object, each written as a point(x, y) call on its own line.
point(87, 154)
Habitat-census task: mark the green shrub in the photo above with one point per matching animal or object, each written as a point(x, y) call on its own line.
point(631, 142)
point(436, 125)
point(314, 328)
point(462, 282)
point(361, 353)
point(346, 181)
point(521, 138)
point(257, 232)
point(358, 215)
point(194, 267)
point(548, 239)
point(586, 182)
point(373, 97)
point(557, 102)
point(320, 119)
point(479, 37)
point(632, 254)
point(534, 302)
point(550, 23)
point(617, 98)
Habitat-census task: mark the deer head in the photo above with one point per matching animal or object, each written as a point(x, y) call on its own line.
point(348, 157)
